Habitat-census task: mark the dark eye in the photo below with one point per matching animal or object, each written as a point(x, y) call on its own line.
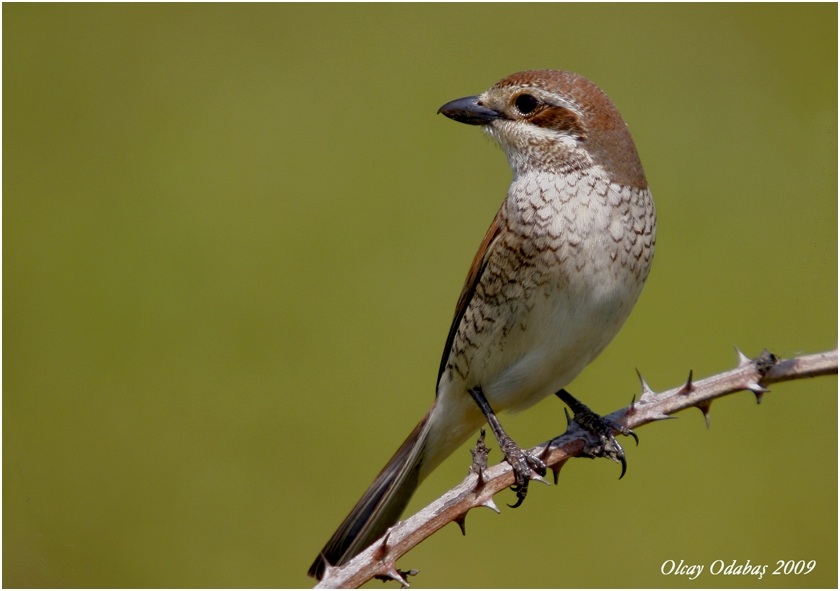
point(526, 104)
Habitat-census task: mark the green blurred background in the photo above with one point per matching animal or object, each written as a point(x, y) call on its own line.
point(234, 235)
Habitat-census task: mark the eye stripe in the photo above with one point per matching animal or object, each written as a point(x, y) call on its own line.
point(560, 119)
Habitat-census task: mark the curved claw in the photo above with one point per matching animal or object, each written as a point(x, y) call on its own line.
point(525, 468)
point(632, 434)
point(519, 501)
point(623, 466)
point(521, 491)
point(521, 488)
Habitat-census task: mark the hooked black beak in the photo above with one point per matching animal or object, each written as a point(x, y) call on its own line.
point(467, 110)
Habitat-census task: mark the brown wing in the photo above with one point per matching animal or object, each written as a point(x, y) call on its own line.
point(473, 277)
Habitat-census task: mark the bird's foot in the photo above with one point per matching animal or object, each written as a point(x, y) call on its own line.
point(603, 428)
point(526, 467)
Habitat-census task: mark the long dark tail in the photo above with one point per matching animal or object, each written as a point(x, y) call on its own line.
point(381, 505)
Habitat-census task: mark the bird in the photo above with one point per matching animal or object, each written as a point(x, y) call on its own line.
point(554, 279)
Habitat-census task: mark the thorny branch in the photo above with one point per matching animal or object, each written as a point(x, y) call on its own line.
point(478, 488)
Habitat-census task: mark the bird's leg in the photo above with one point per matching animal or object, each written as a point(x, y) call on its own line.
point(522, 462)
point(602, 428)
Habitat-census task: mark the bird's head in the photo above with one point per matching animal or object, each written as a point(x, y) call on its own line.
point(556, 122)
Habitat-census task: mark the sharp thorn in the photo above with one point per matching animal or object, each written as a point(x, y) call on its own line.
point(704, 408)
point(555, 469)
point(538, 478)
point(382, 550)
point(758, 390)
point(742, 359)
point(632, 409)
point(490, 505)
point(755, 387)
point(646, 389)
point(461, 520)
point(688, 387)
point(394, 574)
